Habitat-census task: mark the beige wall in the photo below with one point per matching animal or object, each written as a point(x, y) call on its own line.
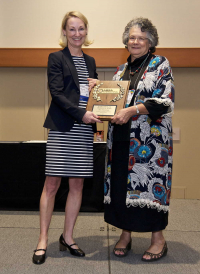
point(186, 117)
point(22, 103)
point(36, 23)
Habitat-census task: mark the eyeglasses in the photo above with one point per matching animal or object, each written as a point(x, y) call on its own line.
point(140, 39)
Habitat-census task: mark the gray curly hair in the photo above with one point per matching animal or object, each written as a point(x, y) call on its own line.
point(146, 26)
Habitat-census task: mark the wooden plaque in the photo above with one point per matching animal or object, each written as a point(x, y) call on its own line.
point(108, 97)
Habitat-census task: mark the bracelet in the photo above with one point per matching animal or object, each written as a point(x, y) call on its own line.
point(137, 110)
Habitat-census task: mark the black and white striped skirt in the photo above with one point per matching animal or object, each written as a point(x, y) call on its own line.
point(70, 154)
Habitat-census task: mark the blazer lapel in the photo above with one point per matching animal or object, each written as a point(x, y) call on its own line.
point(89, 66)
point(69, 61)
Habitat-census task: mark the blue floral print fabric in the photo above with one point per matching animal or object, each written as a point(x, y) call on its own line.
point(151, 144)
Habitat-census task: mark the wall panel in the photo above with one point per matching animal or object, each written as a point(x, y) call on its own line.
point(22, 102)
point(104, 57)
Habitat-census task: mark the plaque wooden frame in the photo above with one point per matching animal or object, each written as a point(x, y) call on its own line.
point(108, 97)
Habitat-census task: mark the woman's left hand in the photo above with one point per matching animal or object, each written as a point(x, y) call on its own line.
point(122, 116)
point(92, 83)
point(91, 118)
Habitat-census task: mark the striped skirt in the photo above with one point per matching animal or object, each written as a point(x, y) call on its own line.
point(70, 154)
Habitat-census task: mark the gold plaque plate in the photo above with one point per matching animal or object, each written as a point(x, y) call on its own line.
point(108, 97)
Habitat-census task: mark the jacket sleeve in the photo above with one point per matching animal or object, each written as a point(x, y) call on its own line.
point(56, 87)
point(162, 99)
point(155, 110)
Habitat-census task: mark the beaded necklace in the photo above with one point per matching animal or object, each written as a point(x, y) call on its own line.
point(134, 72)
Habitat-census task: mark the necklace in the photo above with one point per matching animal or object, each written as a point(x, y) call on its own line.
point(140, 68)
point(77, 55)
point(134, 72)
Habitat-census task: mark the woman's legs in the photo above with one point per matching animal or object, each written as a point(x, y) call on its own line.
point(47, 200)
point(72, 208)
point(123, 241)
point(157, 244)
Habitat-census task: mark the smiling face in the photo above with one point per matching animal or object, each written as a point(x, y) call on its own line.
point(75, 32)
point(138, 44)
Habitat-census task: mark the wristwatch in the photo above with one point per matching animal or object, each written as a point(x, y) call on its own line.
point(137, 110)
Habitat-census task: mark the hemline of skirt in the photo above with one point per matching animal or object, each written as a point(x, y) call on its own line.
point(134, 230)
point(69, 176)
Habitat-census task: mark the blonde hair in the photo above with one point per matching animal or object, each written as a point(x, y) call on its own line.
point(63, 39)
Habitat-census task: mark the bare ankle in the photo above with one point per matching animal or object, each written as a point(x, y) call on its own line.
point(157, 238)
point(68, 239)
point(126, 235)
point(43, 239)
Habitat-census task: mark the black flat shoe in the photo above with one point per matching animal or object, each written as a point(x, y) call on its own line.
point(39, 259)
point(155, 257)
point(124, 250)
point(64, 246)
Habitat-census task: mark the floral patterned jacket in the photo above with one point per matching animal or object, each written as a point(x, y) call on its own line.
point(150, 153)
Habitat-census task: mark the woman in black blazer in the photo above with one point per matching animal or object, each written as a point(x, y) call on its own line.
point(69, 151)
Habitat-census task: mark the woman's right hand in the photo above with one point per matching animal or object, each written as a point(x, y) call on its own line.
point(90, 118)
point(92, 83)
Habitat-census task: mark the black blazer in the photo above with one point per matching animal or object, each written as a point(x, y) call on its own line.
point(64, 88)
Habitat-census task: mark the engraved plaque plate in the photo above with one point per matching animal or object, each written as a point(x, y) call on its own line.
point(104, 110)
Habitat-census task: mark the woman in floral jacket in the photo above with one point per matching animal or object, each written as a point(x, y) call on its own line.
point(139, 158)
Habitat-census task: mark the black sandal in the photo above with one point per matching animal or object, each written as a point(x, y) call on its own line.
point(124, 250)
point(155, 257)
point(39, 259)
